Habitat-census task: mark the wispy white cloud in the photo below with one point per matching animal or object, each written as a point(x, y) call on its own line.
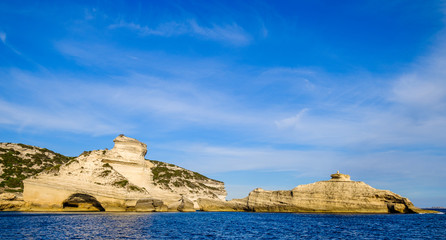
point(389, 169)
point(76, 103)
point(292, 122)
point(408, 110)
point(40, 119)
point(215, 158)
point(298, 78)
point(356, 129)
point(229, 33)
point(3, 37)
point(423, 89)
point(136, 62)
point(365, 128)
point(226, 115)
point(412, 90)
point(90, 13)
point(354, 116)
point(306, 163)
point(165, 30)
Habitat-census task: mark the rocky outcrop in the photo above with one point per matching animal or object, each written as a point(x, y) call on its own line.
point(127, 151)
point(186, 205)
point(10, 202)
point(185, 182)
point(150, 205)
point(119, 179)
point(213, 205)
point(338, 195)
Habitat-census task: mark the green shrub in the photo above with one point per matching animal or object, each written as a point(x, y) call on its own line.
point(105, 173)
point(106, 165)
point(14, 183)
point(25, 146)
point(73, 160)
point(121, 183)
point(85, 153)
point(135, 188)
point(164, 175)
point(17, 168)
point(13, 190)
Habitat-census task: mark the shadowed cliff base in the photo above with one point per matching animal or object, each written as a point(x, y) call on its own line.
point(80, 201)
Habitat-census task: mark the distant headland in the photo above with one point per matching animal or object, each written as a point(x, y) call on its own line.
point(121, 179)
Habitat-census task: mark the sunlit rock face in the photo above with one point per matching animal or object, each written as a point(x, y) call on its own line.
point(127, 158)
point(127, 150)
point(10, 202)
point(339, 177)
point(337, 195)
point(119, 179)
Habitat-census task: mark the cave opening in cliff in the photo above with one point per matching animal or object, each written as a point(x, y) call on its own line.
point(82, 201)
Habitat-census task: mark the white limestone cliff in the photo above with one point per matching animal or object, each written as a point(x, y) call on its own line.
point(119, 179)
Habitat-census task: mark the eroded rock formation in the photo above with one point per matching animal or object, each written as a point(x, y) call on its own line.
point(10, 202)
point(337, 195)
point(119, 179)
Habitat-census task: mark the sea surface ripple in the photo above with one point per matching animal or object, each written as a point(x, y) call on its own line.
point(206, 225)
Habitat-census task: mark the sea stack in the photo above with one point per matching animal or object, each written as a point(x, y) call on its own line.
point(337, 195)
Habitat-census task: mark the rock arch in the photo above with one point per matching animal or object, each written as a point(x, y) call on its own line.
point(83, 202)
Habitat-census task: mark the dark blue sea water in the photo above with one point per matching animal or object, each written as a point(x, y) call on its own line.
point(205, 225)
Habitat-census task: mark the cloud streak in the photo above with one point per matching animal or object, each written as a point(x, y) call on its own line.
point(37, 119)
point(407, 110)
point(229, 33)
point(79, 103)
point(237, 91)
point(229, 117)
point(410, 111)
point(292, 122)
point(3, 37)
point(394, 168)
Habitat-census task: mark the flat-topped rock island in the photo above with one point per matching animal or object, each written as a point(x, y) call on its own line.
point(337, 195)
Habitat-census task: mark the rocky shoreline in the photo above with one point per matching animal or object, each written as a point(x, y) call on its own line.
point(337, 195)
point(121, 179)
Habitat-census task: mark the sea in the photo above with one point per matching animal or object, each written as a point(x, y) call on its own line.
point(220, 225)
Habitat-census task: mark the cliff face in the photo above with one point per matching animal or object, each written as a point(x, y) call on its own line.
point(185, 182)
point(338, 195)
point(327, 196)
point(119, 179)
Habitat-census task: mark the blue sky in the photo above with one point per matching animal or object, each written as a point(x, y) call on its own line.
point(269, 94)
